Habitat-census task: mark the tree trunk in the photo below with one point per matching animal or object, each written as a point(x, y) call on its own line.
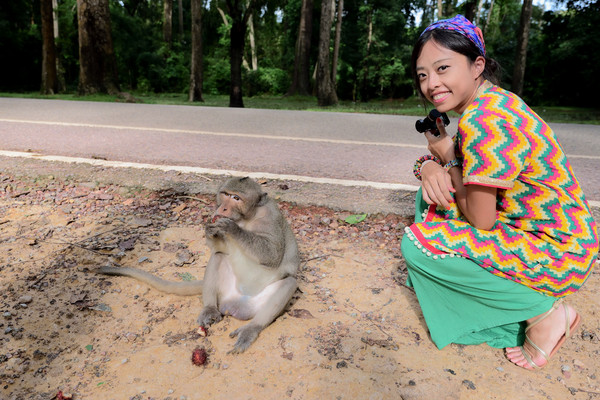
point(478, 12)
point(440, 12)
point(239, 18)
point(60, 71)
point(180, 6)
point(470, 8)
point(326, 95)
point(364, 84)
point(253, 58)
point(49, 77)
point(196, 78)
point(97, 64)
point(523, 39)
point(336, 46)
point(168, 23)
point(489, 16)
point(301, 80)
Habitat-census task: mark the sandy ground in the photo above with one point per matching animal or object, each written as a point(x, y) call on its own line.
point(354, 331)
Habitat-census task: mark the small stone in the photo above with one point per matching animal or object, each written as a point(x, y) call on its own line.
point(25, 299)
point(470, 385)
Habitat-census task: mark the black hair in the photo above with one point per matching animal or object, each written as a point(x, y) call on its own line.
point(456, 42)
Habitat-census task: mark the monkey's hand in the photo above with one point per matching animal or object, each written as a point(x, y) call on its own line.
point(208, 316)
point(246, 335)
point(221, 227)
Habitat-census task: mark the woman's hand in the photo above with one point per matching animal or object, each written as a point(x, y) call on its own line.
point(441, 146)
point(436, 184)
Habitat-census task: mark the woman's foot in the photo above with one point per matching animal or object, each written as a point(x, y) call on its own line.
point(545, 334)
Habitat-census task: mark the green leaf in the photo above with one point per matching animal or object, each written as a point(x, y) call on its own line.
point(186, 276)
point(89, 347)
point(355, 219)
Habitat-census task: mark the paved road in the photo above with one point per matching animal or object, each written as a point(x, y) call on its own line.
point(370, 149)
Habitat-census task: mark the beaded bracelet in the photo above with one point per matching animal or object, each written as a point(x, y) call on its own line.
point(420, 161)
point(453, 163)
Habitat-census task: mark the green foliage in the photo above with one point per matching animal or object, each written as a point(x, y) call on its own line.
point(266, 81)
point(216, 75)
point(564, 63)
point(374, 59)
point(20, 45)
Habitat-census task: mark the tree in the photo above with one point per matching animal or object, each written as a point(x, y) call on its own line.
point(180, 7)
point(338, 35)
point(49, 76)
point(239, 11)
point(196, 79)
point(326, 95)
point(364, 96)
point(252, 38)
point(521, 56)
point(301, 78)
point(168, 22)
point(97, 64)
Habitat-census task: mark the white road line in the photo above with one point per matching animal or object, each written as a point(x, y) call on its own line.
point(210, 171)
point(243, 135)
point(225, 134)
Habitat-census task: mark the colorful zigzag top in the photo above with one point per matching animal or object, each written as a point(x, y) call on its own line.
point(545, 236)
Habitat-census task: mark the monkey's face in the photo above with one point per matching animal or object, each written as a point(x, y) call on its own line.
point(230, 205)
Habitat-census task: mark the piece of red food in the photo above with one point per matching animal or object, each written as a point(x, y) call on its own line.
point(199, 356)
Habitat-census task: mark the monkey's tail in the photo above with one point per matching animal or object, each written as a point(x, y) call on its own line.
point(180, 288)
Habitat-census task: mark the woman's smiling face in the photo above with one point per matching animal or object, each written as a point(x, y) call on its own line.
point(447, 78)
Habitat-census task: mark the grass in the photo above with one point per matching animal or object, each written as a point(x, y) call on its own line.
point(410, 106)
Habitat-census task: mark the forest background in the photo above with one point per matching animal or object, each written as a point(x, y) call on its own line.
point(357, 50)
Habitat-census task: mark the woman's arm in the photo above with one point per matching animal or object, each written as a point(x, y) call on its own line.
point(477, 203)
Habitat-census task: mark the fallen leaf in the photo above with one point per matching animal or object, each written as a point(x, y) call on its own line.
point(355, 218)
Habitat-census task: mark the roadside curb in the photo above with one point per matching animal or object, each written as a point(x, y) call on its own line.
point(352, 196)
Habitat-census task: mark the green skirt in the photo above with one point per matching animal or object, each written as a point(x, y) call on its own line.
point(463, 303)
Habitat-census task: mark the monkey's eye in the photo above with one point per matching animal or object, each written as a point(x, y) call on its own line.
point(235, 197)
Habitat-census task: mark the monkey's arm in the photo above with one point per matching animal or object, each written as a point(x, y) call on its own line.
point(265, 243)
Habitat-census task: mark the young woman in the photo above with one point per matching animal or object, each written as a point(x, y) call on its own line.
point(502, 229)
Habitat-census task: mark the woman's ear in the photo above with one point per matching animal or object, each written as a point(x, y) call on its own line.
point(478, 67)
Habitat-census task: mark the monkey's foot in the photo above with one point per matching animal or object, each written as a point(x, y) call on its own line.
point(209, 315)
point(247, 334)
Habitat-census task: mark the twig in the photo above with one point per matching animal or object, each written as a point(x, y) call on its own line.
point(370, 320)
point(194, 198)
point(316, 257)
point(69, 244)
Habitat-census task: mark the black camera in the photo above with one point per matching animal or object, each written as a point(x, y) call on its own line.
point(428, 123)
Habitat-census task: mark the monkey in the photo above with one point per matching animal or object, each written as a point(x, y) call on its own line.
point(251, 273)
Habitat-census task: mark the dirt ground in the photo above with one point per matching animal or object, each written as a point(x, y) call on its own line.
point(354, 331)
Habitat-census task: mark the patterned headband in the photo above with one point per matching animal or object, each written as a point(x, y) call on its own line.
point(463, 26)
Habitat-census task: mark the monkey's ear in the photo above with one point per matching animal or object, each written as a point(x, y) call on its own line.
point(262, 200)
